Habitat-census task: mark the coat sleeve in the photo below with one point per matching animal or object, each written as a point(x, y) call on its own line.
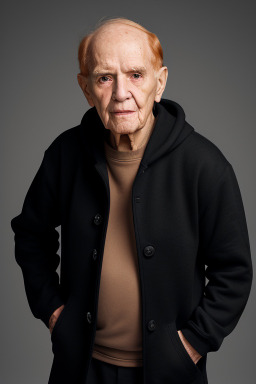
point(225, 249)
point(36, 240)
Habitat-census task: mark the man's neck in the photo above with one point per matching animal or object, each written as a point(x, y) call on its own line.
point(131, 141)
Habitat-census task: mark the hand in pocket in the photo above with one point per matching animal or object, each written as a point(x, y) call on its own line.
point(195, 356)
point(54, 317)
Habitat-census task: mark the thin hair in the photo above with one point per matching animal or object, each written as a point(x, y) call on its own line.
point(85, 46)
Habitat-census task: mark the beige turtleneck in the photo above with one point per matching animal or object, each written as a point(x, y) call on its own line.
point(118, 337)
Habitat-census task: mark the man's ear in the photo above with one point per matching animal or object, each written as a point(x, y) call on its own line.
point(83, 83)
point(162, 76)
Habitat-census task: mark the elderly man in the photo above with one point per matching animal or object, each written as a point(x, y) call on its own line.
point(145, 203)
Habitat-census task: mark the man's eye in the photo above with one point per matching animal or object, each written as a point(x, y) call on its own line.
point(103, 79)
point(137, 75)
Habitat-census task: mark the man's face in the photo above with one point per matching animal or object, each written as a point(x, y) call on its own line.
point(123, 83)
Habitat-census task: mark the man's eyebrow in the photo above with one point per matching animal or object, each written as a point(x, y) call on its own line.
point(139, 69)
point(100, 72)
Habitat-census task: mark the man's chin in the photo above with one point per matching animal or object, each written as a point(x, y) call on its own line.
point(123, 129)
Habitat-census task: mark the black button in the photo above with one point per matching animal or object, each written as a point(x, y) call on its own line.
point(151, 325)
point(149, 251)
point(94, 254)
point(137, 199)
point(89, 317)
point(97, 219)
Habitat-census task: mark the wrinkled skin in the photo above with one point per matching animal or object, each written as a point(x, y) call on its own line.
point(122, 78)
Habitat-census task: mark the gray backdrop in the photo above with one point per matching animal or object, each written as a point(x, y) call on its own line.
point(209, 48)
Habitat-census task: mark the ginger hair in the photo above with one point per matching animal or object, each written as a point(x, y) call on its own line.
point(85, 48)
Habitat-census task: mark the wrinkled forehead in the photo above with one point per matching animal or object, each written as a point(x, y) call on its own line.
point(121, 44)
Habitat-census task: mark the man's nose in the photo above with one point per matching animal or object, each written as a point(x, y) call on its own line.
point(121, 90)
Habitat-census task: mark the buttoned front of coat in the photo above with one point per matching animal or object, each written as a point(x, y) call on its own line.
point(189, 225)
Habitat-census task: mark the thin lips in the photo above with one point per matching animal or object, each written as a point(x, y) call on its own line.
point(122, 111)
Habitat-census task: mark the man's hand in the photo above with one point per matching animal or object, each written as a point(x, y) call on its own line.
point(195, 356)
point(54, 317)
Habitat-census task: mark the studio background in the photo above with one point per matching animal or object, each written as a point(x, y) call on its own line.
point(209, 49)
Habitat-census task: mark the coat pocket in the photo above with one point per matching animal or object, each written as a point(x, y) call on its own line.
point(167, 358)
point(70, 338)
point(181, 350)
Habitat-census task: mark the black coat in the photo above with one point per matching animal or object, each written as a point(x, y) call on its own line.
point(189, 225)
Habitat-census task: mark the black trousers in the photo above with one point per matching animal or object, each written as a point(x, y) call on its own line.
point(101, 372)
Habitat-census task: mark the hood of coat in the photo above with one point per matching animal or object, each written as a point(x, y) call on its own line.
point(170, 131)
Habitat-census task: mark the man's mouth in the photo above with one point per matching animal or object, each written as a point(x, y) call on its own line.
point(122, 113)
